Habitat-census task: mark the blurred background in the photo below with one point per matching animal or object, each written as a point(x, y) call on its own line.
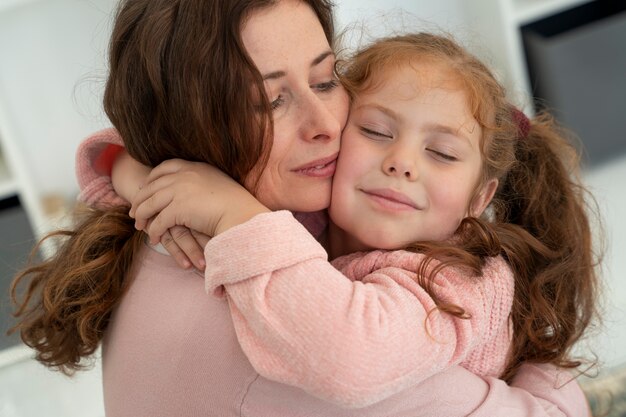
point(565, 55)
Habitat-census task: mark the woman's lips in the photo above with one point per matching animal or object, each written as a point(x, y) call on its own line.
point(390, 199)
point(320, 168)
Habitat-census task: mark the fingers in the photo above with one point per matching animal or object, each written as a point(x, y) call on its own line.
point(189, 245)
point(186, 246)
point(165, 175)
point(173, 249)
point(158, 225)
point(148, 191)
point(150, 201)
point(201, 238)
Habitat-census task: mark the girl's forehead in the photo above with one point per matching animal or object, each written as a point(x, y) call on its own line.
point(413, 77)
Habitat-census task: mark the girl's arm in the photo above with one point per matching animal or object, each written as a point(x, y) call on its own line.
point(127, 175)
point(109, 177)
point(371, 342)
point(302, 322)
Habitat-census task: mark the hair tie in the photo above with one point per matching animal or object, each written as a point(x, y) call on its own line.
point(522, 122)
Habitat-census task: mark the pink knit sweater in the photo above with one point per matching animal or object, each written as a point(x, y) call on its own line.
point(169, 351)
point(359, 334)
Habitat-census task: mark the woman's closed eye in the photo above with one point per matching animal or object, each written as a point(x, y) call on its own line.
point(326, 86)
point(277, 102)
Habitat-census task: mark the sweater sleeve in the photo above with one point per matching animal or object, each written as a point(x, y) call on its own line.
point(94, 159)
point(302, 322)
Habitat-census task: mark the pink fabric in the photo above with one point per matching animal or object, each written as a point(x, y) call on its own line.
point(171, 350)
point(92, 172)
point(360, 334)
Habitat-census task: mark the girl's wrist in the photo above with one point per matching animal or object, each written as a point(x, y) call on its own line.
point(239, 216)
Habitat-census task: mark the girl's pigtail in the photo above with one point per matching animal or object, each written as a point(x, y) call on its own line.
point(551, 249)
point(64, 303)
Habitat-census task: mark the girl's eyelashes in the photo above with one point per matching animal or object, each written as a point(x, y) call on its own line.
point(443, 155)
point(375, 134)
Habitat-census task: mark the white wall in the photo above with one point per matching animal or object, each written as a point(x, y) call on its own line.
point(448, 13)
point(381, 17)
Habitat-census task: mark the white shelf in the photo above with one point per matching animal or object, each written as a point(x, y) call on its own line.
point(15, 354)
point(527, 11)
point(8, 186)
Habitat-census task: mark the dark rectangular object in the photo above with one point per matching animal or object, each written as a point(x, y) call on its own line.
point(16, 242)
point(577, 67)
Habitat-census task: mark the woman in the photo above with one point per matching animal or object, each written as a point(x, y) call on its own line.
point(169, 349)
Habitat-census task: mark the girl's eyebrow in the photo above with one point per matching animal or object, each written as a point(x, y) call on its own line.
point(380, 108)
point(316, 61)
point(446, 130)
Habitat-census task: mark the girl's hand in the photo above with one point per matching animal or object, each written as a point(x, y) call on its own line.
point(191, 194)
point(186, 246)
point(127, 175)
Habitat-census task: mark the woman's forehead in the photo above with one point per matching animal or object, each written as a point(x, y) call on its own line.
point(286, 30)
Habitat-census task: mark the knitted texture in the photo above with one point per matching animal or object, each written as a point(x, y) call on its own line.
point(357, 337)
point(93, 169)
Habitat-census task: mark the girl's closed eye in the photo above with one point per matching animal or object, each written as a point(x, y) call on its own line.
point(375, 134)
point(442, 154)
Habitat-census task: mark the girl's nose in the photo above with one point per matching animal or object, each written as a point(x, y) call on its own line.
point(401, 162)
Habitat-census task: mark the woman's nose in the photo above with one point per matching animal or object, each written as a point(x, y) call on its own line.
point(401, 163)
point(319, 122)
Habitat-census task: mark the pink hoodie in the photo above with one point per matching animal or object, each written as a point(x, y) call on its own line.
point(356, 335)
point(171, 350)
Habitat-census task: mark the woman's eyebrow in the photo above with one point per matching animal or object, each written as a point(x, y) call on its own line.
point(318, 60)
point(321, 57)
point(274, 75)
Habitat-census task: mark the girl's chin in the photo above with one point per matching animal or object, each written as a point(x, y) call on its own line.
point(381, 241)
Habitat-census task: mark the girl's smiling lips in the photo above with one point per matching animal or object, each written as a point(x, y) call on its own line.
point(323, 167)
point(391, 199)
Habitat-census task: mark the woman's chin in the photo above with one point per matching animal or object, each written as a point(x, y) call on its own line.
point(307, 200)
point(310, 206)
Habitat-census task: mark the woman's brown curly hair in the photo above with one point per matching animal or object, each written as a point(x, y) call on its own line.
point(176, 71)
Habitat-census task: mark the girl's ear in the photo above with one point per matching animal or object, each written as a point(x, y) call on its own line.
point(483, 198)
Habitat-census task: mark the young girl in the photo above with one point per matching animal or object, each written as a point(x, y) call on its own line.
point(430, 143)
